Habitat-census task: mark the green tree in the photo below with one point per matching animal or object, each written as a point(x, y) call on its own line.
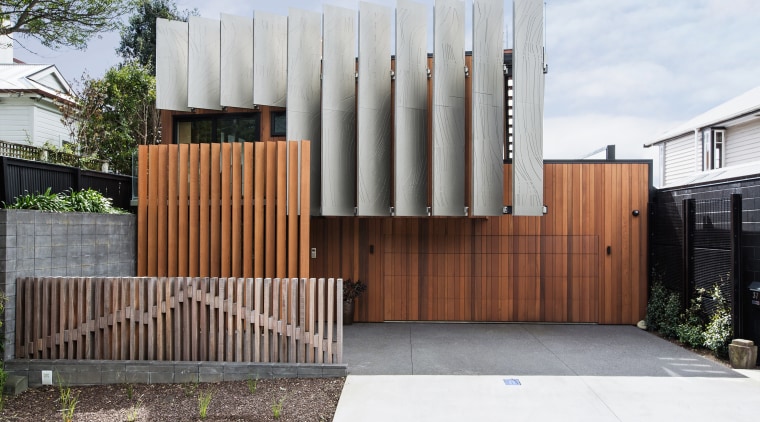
point(115, 114)
point(138, 38)
point(61, 23)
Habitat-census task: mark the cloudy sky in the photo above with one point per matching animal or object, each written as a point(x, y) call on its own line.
point(620, 71)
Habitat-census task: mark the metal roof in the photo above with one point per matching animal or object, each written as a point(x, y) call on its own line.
point(44, 79)
point(745, 104)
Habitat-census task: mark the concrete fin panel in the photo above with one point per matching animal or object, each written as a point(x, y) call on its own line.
point(270, 59)
point(237, 61)
point(171, 65)
point(204, 55)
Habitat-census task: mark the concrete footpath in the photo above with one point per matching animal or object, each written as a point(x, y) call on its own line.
point(497, 372)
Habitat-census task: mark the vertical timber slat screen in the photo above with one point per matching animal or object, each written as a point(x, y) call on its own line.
point(224, 210)
point(179, 319)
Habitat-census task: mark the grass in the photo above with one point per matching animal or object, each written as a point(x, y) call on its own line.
point(67, 399)
point(277, 408)
point(204, 399)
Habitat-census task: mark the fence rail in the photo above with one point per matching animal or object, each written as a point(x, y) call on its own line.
point(180, 319)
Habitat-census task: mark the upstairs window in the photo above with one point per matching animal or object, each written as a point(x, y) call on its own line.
point(713, 148)
point(200, 129)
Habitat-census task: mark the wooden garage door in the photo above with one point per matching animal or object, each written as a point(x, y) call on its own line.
point(490, 278)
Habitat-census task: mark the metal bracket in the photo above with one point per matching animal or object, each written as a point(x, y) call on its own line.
point(356, 211)
point(507, 209)
point(429, 72)
point(506, 69)
point(393, 75)
point(429, 211)
point(356, 75)
point(466, 72)
point(466, 211)
point(393, 212)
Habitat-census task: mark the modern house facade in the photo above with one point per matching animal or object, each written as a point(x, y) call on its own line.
point(422, 179)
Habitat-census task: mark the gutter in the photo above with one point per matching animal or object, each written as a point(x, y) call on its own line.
point(717, 123)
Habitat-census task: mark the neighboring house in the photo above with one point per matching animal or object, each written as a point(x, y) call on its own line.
point(29, 94)
point(722, 143)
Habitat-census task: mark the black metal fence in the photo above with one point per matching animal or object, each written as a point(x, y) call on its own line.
point(18, 177)
point(697, 240)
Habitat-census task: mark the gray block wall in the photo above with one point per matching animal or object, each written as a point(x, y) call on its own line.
point(45, 244)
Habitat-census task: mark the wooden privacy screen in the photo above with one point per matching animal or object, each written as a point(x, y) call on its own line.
point(224, 210)
point(554, 268)
point(180, 319)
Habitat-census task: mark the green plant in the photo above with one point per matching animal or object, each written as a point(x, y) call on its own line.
point(67, 399)
point(663, 309)
point(86, 200)
point(134, 412)
point(204, 399)
point(718, 331)
point(691, 329)
point(252, 384)
point(277, 408)
point(130, 391)
point(3, 377)
point(353, 289)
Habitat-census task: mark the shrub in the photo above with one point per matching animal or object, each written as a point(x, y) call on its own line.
point(86, 200)
point(718, 332)
point(663, 309)
point(690, 330)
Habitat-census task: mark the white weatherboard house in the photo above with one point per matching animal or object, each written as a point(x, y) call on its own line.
point(720, 144)
point(29, 114)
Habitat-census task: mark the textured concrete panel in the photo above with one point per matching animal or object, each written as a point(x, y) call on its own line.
point(171, 65)
point(487, 107)
point(303, 112)
point(203, 72)
point(373, 142)
point(410, 140)
point(270, 59)
point(527, 163)
point(448, 108)
point(339, 112)
point(237, 61)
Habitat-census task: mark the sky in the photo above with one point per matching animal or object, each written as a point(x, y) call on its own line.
point(620, 71)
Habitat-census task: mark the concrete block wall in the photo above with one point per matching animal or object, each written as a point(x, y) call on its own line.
point(36, 243)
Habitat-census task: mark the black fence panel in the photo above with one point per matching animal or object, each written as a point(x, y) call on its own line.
point(19, 177)
point(667, 243)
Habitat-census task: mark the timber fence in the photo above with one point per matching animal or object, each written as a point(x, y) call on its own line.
point(180, 319)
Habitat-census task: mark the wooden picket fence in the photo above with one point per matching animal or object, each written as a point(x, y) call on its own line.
point(180, 319)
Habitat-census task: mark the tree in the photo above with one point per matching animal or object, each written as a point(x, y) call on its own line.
point(115, 114)
point(60, 23)
point(138, 38)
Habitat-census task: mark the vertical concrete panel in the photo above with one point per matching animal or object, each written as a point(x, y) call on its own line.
point(270, 59)
point(303, 112)
point(527, 163)
point(236, 61)
point(374, 111)
point(448, 108)
point(487, 107)
point(203, 72)
point(171, 65)
point(410, 140)
point(339, 112)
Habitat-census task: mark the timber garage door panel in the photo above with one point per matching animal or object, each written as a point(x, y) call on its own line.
point(491, 278)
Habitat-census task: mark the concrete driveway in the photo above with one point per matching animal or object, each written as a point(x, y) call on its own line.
point(496, 372)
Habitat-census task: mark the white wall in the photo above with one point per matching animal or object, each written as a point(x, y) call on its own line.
point(29, 122)
point(679, 159)
point(743, 143)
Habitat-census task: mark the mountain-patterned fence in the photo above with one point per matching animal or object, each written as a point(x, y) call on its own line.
point(180, 319)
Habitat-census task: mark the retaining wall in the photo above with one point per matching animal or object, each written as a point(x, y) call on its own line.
point(45, 244)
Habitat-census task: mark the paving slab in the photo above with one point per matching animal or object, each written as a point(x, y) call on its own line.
point(546, 398)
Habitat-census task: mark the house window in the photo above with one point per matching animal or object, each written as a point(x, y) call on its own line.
point(200, 129)
point(278, 123)
point(713, 148)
